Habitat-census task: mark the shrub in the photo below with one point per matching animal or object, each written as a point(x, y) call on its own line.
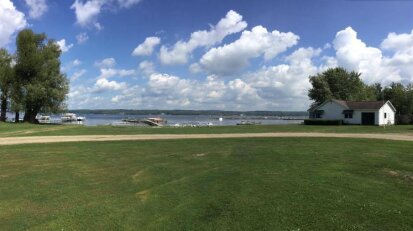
point(322, 122)
point(404, 119)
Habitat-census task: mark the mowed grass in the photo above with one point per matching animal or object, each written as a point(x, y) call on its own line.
point(11, 129)
point(227, 184)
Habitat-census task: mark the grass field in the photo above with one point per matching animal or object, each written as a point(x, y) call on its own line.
point(11, 129)
point(229, 184)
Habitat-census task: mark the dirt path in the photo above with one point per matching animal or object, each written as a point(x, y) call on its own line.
point(56, 139)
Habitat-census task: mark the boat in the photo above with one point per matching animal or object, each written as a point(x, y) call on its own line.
point(43, 119)
point(248, 123)
point(68, 117)
point(80, 118)
point(156, 121)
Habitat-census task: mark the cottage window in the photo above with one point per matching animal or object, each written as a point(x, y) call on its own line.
point(318, 114)
point(385, 115)
point(348, 114)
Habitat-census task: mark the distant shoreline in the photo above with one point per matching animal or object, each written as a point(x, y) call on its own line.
point(190, 112)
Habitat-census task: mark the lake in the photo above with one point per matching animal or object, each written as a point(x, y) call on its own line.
point(111, 119)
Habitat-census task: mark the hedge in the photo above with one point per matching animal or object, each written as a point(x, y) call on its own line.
point(322, 122)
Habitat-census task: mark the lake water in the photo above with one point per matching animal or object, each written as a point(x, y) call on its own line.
point(109, 119)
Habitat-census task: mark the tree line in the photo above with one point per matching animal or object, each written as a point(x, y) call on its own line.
point(338, 83)
point(31, 80)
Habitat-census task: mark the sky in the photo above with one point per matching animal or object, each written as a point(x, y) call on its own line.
point(210, 54)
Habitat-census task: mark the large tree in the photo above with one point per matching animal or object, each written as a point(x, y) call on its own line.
point(401, 97)
point(42, 87)
point(6, 79)
point(337, 83)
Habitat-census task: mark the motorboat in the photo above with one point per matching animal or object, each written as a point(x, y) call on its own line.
point(69, 117)
point(43, 119)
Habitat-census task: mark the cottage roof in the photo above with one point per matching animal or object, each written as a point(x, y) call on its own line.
point(358, 105)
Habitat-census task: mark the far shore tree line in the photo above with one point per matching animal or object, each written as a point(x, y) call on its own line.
point(338, 83)
point(31, 80)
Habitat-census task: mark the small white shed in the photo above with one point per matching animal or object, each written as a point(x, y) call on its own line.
point(355, 112)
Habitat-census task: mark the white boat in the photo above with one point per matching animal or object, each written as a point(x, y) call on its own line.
point(81, 118)
point(43, 119)
point(68, 117)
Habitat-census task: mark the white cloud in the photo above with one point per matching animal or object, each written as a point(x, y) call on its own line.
point(78, 74)
point(106, 73)
point(76, 62)
point(128, 3)
point(398, 42)
point(146, 48)
point(87, 12)
point(147, 67)
point(231, 58)
point(353, 54)
point(102, 85)
point(262, 87)
point(71, 65)
point(63, 47)
point(11, 21)
point(106, 63)
point(178, 54)
point(36, 8)
point(82, 38)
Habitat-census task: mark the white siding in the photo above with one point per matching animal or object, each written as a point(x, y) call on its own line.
point(332, 111)
point(390, 115)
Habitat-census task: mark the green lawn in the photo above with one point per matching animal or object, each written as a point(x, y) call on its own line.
point(228, 184)
point(11, 129)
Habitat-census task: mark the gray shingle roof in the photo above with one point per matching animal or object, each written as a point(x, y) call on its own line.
point(360, 105)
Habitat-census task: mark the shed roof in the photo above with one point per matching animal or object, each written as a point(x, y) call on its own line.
point(358, 105)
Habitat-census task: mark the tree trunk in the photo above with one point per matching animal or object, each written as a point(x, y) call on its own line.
point(3, 108)
point(30, 116)
point(17, 117)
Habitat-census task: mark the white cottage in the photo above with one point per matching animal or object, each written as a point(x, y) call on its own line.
point(355, 112)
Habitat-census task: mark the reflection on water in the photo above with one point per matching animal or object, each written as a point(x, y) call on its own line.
point(106, 119)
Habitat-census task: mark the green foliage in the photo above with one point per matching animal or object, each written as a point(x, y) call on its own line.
point(6, 80)
point(401, 97)
point(337, 83)
point(322, 122)
point(41, 86)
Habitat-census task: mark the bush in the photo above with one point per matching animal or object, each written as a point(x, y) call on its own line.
point(404, 119)
point(322, 122)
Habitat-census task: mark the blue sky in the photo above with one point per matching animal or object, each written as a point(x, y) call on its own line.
point(229, 55)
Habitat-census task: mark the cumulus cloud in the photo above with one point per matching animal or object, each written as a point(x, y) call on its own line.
point(82, 38)
point(107, 70)
point(178, 54)
point(36, 8)
point(102, 85)
point(63, 46)
point(87, 12)
point(11, 21)
point(78, 74)
point(106, 63)
point(147, 67)
point(231, 58)
point(106, 73)
point(264, 86)
point(353, 54)
point(146, 48)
